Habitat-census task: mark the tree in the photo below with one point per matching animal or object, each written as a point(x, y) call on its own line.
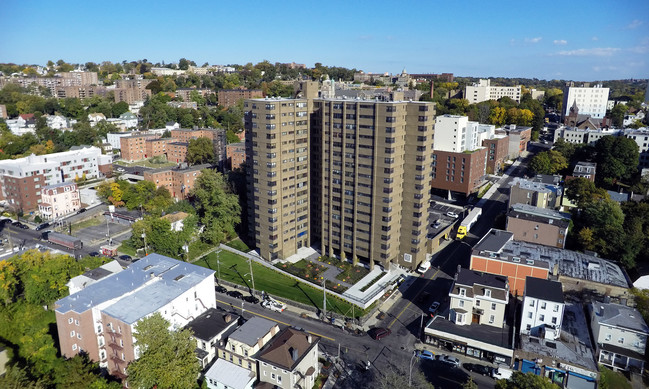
point(18, 378)
point(217, 208)
point(232, 137)
point(200, 150)
point(548, 162)
point(617, 159)
point(520, 380)
point(617, 115)
point(497, 116)
point(167, 358)
point(583, 191)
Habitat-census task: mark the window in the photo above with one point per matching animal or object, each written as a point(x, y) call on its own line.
point(460, 318)
point(272, 375)
point(279, 379)
point(487, 292)
point(74, 347)
point(493, 306)
point(70, 321)
point(542, 317)
point(72, 334)
point(556, 308)
point(462, 292)
point(529, 315)
point(554, 320)
point(531, 303)
point(492, 318)
point(543, 305)
point(461, 303)
point(621, 340)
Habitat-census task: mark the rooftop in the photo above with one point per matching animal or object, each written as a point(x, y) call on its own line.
point(174, 217)
point(139, 290)
point(252, 330)
point(498, 244)
point(231, 375)
point(180, 168)
point(211, 323)
point(543, 289)
point(573, 346)
point(619, 316)
point(288, 348)
point(60, 185)
point(539, 215)
point(472, 277)
point(496, 336)
point(535, 186)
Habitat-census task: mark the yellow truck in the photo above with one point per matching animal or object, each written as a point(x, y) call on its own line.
point(468, 222)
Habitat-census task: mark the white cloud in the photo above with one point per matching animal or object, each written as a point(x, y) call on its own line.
point(594, 52)
point(594, 38)
point(634, 24)
point(560, 42)
point(533, 40)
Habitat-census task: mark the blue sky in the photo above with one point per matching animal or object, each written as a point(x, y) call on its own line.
point(572, 40)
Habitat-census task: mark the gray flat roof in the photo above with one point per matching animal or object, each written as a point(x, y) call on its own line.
point(252, 330)
point(496, 336)
point(535, 186)
point(139, 290)
point(573, 346)
point(568, 263)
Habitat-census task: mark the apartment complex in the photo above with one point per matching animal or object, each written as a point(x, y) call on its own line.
point(230, 97)
point(370, 162)
point(484, 91)
point(183, 135)
point(133, 147)
point(538, 225)
point(100, 319)
point(462, 152)
point(277, 146)
point(178, 180)
point(59, 200)
point(22, 179)
point(479, 298)
point(538, 194)
point(519, 138)
point(236, 155)
point(589, 101)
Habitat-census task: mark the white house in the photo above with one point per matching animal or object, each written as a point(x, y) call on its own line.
point(479, 298)
point(59, 122)
point(620, 334)
point(543, 307)
point(209, 330)
point(59, 200)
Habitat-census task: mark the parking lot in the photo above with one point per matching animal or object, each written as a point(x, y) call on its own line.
point(97, 235)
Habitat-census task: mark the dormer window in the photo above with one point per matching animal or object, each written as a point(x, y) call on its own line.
point(487, 292)
point(462, 292)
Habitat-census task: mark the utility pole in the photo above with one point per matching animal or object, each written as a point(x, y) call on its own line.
point(218, 265)
point(410, 375)
point(144, 237)
point(324, 299)
point(252, 277)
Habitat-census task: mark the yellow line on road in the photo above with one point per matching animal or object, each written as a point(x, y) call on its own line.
point(414, 298)
point(277, 321)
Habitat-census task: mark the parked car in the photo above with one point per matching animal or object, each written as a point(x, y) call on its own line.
point(236, 294)
point(436, 225)
point(425, 354)
point(42, 226)
point(423, 268)
point(20, 225)
point(220, 289)
point(273, 305)
point(125, 258)
point(121, 170)
point(433, 309)
point(501, 373)
point(82, 210)
point(452, 214)
point(449, 360)
point(16, 223)
point(251, 299)
point(477, 368)
point(94, 254)
point(378, 333)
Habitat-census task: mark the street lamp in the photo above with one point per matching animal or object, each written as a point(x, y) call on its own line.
point(414, 354)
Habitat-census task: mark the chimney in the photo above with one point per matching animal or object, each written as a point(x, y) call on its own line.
point(601, 310)
point(309, 339)
point(227, 318)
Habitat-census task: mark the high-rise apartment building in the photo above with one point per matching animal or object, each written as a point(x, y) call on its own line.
point(368, 164)
point(589, 101)
point(277, 149)
point(484, 91)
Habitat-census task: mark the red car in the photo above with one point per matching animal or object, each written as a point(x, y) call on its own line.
point(379, 333)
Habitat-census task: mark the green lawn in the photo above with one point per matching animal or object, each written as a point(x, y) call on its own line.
point(237, 244)
point(127, 249)
point(610, 379)
point(86, 223)
point(234, 268)
point(350, 274)
point(146, 163)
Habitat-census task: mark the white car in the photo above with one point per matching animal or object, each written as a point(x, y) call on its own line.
point(273, 305)
point(121, 170)
point(423, 268)
point(454, 362)
point(452, 214)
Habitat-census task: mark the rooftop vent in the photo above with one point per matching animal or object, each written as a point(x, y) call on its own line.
point(178, 278)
